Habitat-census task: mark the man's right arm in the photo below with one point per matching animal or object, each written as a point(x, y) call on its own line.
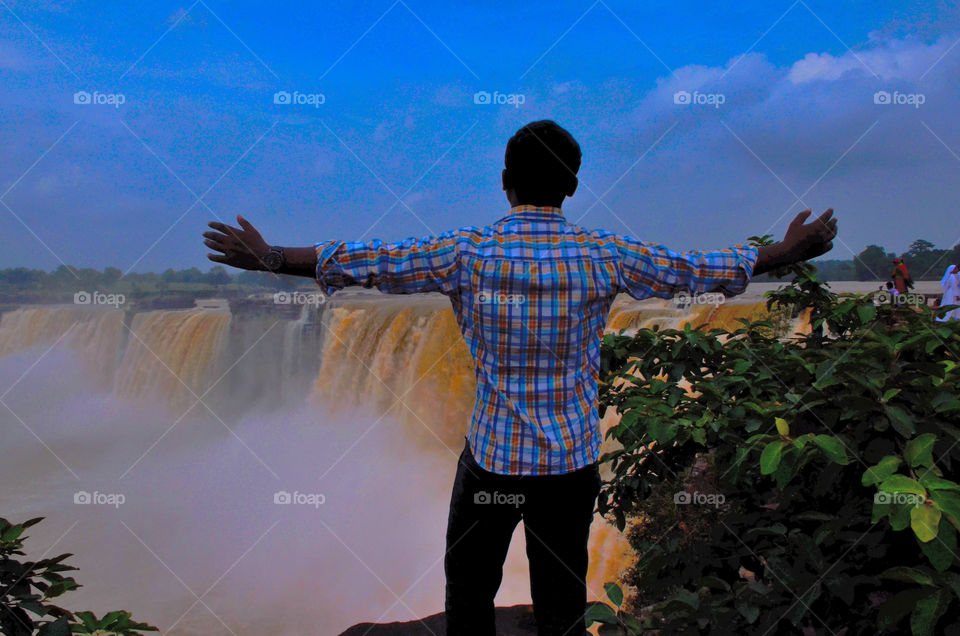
point(801, 242)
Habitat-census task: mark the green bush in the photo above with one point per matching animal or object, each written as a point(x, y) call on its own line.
point(26, 588)
point(799, 485)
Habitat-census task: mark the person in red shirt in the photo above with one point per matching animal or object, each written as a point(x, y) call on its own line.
point(901, 276)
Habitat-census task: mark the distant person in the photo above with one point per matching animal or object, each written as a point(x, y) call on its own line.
point(950, 284)
point(893, 291)
point(531, 293)
point(901, 276)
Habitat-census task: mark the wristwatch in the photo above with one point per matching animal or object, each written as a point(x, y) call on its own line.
point(274, 260)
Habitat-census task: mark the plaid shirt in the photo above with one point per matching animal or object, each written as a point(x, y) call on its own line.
point(531, 294)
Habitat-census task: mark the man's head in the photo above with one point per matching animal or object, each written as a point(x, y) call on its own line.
point(541, 164)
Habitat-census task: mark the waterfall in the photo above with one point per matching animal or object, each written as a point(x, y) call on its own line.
point(331, 396)
point(171, 355)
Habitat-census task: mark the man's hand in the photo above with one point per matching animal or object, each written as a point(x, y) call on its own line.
point(241, 247)
point(802, 242)
point(806, 241)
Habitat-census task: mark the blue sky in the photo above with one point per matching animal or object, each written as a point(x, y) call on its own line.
point(782, 115)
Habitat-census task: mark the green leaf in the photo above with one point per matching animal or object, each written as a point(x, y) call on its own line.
point(949, 503)
point(88, 619)
point(662, 432)
point(632, 624)
point(919, 450)
point(770, 457)
point(715, 582)
point(12, 533)
point(59, 627)
point(600, 613)
point(902, 483)
point(900, 516)
point(117, 615)
point(884, 468)
point(932, 482)
point(832, 448)
point(748, 611)
point(925, 520)
point(899, 606)
point(699, 435)
point(907, 575)
point(940, 551)
point(782, 427)
point(685, 597)
point(614, 593)
point(900, 420)
point(889, 393)
point(866, 313)
point(928, 611)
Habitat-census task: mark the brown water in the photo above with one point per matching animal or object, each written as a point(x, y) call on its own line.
point(197, 418)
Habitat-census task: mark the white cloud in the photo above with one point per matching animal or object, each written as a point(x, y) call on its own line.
point(888, 59)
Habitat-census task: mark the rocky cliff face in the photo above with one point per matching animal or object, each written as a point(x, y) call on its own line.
point(511, 621)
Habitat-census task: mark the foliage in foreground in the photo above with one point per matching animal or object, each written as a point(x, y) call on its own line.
point(795, 486)
point(26, 588)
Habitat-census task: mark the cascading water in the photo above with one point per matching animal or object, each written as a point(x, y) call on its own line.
point(199, 418)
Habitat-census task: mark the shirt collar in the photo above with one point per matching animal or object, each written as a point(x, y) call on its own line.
point(534, 213)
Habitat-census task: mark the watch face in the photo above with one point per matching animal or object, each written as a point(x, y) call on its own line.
point(273, 260)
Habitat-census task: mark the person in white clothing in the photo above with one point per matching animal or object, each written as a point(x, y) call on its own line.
point(950, 284)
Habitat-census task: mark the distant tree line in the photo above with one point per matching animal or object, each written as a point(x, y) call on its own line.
point(924, 260)
point(170, 289)
point(65, 277)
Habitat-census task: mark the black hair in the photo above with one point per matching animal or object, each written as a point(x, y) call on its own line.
point(542, 161)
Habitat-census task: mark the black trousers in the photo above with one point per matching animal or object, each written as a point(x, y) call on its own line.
point(484, 511)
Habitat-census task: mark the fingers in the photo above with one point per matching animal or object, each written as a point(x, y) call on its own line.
point(800, 218)
point(245, 224)
point(226, 229)
point(825, 225)
point(214, 245)
point(218, 258)
point(216, 237)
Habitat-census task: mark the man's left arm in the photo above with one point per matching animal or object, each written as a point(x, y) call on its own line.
point(649, 269)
